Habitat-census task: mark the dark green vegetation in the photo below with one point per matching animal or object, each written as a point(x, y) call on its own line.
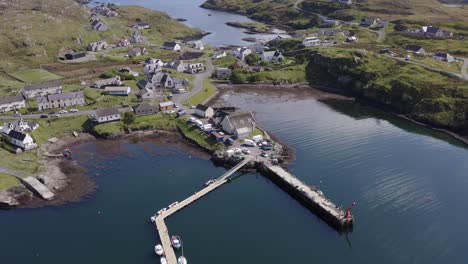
point(409, 89)
point(280, 12)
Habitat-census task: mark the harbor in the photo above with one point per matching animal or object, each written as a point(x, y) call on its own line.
point(309, 196)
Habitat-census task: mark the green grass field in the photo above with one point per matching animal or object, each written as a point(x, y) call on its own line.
point(35, 76)
point(57, 127)
point(8, 181)
point(208, 90)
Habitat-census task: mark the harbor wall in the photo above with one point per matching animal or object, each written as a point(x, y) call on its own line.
point(332, 219)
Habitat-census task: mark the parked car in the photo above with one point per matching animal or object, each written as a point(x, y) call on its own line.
point(44, 116)
point(264, 154)
point(176, 106)
point(54, 115)
point(73, 110)
point(63, 111)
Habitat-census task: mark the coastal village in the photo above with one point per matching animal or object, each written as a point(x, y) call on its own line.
point(138, 82)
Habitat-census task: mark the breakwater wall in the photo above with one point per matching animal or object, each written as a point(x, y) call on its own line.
point(309, 196)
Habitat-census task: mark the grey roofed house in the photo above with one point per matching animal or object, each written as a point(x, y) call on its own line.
point(65, 96)
point(416, 49)
point(146, 109)
point(202, 107)
point(106, 112)
point(444, 56)
point(241, 119)
point(99, 26)
point(169, 44)
point(17, 135)
point(11, 99)
point(40, 86)
point(142, 84)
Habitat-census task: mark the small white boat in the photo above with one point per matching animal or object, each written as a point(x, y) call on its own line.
point(163, 260)
point(176, 242)
point(209, 182)
point(159, 250)
point(153, 219)
point(161, 211)
point(181, 260)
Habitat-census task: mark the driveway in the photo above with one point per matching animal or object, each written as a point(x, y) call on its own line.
point(197, 83)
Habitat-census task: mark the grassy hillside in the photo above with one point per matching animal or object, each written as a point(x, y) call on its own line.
point(409, 89)
point(283, 11)
point(34, 31)
point(279, 12)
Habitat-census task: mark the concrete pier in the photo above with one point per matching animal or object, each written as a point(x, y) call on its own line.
point(161, 225)
point(36, 186)
point(309, 196)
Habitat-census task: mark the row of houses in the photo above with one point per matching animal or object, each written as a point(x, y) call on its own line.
point(430, 31)
point(104, 10)
point(419, 50)
point(12, 103)
point(258, 48)
point(152, 66)
point(60, 100)
point(113, 114)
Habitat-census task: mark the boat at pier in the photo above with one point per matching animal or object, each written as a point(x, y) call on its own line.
point(159, 250)
point(181, 260)
point(176, 242)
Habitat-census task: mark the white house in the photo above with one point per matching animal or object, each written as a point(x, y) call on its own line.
point(18, 125)
point(241, 53)
point(97, 46)
point(106, 115)
point(10, 103)
point(219, 55)
point(115, 81)
point(177, 65)
point(194, 68)
point(118, 90)
point(311, 41)
point(346, 2)
point(22, 140)
point(172, 46)
point(204, 111)
point(275, 56)
point(444, 56)
point(239, 124)
point(198, 45)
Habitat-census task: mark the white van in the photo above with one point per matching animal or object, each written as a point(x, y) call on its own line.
point(249, 143)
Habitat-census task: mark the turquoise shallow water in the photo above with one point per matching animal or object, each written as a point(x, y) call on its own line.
point(409, 184)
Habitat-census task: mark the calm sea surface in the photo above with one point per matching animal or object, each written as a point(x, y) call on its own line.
point(207, 20)
point(410, 185)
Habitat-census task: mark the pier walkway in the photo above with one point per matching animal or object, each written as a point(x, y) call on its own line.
point(312, 197)
point(161, 225)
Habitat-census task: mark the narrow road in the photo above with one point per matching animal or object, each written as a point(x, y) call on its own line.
point(464, 68)
point(458, 75)
point(11, 172)
point(197, 83)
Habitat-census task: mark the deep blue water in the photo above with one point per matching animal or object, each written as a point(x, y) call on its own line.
point(409, 184)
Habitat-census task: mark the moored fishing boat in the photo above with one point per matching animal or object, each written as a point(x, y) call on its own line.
point(181, 260)
point(159, 250)
point(176, 242)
